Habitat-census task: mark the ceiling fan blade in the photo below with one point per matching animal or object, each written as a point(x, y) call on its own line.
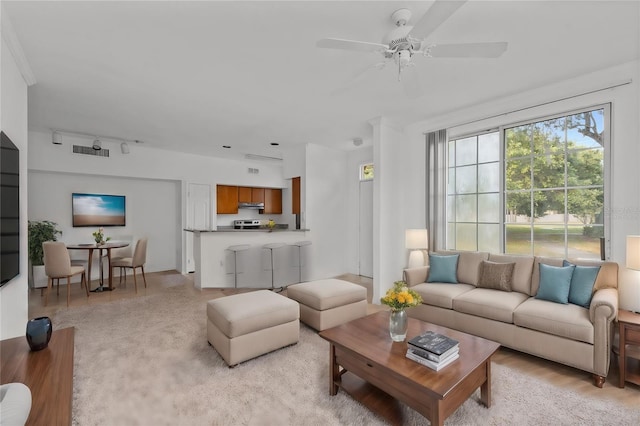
point(411, 83)
point(467, 50)
point(439, 12)
point(362, 46)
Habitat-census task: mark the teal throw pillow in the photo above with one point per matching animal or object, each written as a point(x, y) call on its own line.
point(443, 269)
point(555, 282)
point(582, 282)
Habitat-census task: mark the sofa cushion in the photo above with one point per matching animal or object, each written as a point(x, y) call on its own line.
point(496, 275)
point(608, 275)
point(441, 295)
point(468, 264)
point(582, 282)
point(521, 272)
point(443, 269)
point(555, 282)
point(492, 304)
point(569, 321)
point(535, 278)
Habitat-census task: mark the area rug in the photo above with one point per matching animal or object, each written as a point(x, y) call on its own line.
point(146, 361)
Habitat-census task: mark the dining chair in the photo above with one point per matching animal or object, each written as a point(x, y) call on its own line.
point(137, 261)
point(57, 265)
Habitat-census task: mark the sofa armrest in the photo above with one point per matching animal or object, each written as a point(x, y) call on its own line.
point(602, 312)
point(414, 276)
point(604, 305)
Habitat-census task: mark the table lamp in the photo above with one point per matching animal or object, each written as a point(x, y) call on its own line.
point(417, 241)
point(633, 255)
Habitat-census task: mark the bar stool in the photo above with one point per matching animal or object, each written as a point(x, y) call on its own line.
point(271, 247)
point(300, 244)
point(235, 249)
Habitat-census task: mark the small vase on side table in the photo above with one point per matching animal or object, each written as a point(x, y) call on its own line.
point(39, 333)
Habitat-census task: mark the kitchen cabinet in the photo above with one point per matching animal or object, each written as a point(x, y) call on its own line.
point(227, 199)
point(244, 194)
point(272, 201)
point(257, 195)
point(295, 195)
point(247, 194)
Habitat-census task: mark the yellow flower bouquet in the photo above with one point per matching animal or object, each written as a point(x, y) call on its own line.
point(401, 297)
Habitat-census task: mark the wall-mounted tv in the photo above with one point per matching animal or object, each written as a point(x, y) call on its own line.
point(9, 210)
point(98, 210)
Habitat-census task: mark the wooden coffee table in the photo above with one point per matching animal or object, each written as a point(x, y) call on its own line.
point(374, 370)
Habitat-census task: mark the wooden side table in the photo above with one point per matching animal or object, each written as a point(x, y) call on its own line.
point(48, 373)
point(629, 345)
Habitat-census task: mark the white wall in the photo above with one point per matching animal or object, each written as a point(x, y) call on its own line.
point(326, 210)
point(13, 121)
point(624, 216)
point(153, 211)
point(145, 163)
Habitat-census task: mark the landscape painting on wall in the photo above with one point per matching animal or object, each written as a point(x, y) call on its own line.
point(98, 210)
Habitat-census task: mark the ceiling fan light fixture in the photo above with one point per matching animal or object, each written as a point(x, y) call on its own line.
point(401, 16)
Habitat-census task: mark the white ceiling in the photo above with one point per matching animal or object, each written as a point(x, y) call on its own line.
point(193, 76)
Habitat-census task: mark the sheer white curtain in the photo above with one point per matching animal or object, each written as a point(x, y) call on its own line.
point(436, 175)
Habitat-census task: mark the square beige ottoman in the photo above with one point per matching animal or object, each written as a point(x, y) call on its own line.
point(247, 325)
point(328, 303)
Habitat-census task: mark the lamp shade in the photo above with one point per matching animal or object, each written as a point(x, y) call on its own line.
point(417, 239)
point(633, 252)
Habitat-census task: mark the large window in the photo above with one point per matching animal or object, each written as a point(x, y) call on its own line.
point(473, 193)
point(551, 175)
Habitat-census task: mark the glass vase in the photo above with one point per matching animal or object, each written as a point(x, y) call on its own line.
point(398, 324)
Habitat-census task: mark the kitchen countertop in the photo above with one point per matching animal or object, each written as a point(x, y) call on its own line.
point(232, 229)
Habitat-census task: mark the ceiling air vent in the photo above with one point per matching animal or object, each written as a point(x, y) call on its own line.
point(253, 171)
point(87, 150)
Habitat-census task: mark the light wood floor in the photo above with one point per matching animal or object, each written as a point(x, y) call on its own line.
point(547, 371)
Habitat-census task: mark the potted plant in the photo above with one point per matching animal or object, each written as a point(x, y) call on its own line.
point(39, 232)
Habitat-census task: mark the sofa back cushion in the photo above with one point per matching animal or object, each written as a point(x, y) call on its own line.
point(522, 271)
point(468, 264)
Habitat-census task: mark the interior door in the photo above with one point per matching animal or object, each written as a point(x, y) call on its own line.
point(365, 246)
point(198, 216)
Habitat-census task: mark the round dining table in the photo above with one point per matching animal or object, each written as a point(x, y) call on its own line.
point(90, 247)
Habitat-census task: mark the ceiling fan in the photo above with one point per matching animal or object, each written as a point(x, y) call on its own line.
point(403, 42)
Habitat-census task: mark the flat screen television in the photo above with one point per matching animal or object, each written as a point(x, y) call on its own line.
point(9, 210)
point(98, 210)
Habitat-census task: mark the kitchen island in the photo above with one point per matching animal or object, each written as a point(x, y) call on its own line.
point(214, 263)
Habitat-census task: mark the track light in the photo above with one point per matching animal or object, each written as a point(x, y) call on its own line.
point(56, 138)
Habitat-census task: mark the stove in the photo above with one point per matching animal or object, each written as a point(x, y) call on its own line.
point(246, 224)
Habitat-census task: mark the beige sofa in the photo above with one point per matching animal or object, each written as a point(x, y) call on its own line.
point(565, 333)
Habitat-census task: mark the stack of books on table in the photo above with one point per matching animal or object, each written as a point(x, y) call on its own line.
point(433, 350)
